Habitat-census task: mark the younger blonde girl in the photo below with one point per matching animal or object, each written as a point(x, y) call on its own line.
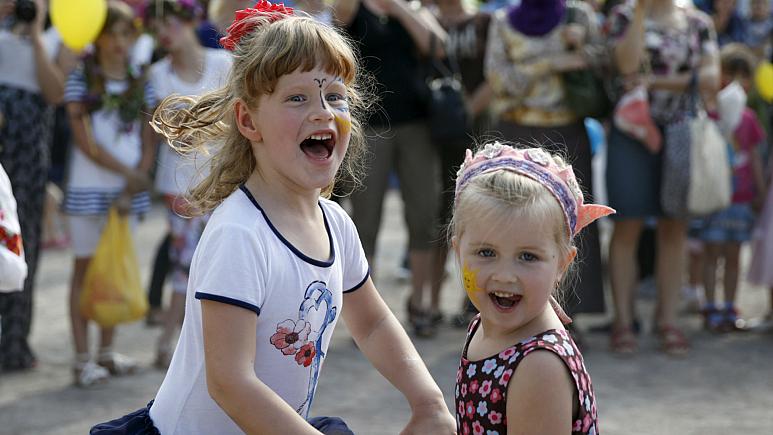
point(516, 214)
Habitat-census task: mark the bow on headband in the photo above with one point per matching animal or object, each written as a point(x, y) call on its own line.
point(536, 164)
point(244, 22)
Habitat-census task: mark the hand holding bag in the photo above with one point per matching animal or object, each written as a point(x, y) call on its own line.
point(112, 293)
point(584, 89)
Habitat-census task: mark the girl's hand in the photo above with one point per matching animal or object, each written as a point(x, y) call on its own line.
point(137, 181)
point(573, 35)
point(39, 24)
point(431, 419)
point(123, 203)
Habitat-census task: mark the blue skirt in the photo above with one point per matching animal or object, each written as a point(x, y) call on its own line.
point(136, 423)
point(140, 423)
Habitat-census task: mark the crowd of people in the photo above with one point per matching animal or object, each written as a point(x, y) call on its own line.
point(181, 102)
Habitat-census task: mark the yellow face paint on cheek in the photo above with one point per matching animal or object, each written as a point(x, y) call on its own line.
point(470, 280)
point(344, 126)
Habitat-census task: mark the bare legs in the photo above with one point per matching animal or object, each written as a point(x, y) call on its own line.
point(671, 235)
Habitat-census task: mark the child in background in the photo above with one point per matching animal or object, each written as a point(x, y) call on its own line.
point(724, 232)
point(277, 265)
point(759, 28)
point(516, 215)
point(107, 103)
point(188, 69)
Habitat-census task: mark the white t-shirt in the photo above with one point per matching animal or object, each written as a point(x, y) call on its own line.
point(17, 61)
point(177, 174)
point(244, 261)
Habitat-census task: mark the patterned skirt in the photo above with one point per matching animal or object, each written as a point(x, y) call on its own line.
point(25, 124)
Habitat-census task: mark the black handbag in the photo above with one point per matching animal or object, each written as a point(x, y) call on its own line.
point(448, 119)
point(585, 91)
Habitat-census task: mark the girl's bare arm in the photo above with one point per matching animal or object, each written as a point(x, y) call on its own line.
point(229, 348)
point(384, 342)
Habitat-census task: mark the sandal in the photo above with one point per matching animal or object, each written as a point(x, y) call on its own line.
point(672, 340)
point(89, 374)
point(622, 341)
point(117, 364)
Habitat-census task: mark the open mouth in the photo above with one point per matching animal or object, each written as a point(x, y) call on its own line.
point(319, 146)
point(505, 300)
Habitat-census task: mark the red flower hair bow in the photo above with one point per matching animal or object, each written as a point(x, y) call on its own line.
point(243, 22)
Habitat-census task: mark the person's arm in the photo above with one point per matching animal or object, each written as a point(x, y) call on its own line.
point(540, 396)
point(420, 24)
point(150, 140)
point(49, 77)
point(384, 342)
point(344, 11)
point(229, 353)
point(629, 49)
point(80, 124)
point(479, 100)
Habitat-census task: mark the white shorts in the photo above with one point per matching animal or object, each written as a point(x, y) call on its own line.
point(86, 230)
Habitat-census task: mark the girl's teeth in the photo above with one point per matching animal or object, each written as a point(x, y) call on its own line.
point(503, 295)
point(321, 136)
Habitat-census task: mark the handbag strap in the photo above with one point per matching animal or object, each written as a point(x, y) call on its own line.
point(693, 95)
point(450, 71)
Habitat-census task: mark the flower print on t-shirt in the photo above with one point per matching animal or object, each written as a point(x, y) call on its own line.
point(302, 337)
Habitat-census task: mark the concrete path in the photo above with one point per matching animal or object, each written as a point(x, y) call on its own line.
point(724, 386)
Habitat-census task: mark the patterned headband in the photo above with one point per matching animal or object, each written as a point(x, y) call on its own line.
point(536, 164)
point(245, 23)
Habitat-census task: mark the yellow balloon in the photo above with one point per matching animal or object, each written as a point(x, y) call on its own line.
point(78, 21)
point(763, 78)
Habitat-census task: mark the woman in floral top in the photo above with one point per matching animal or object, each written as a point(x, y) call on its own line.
point(678, 45)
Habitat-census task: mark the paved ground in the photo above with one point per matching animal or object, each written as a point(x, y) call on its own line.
point(724, 386)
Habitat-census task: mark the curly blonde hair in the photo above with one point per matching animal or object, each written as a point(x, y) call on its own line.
point(261, 57)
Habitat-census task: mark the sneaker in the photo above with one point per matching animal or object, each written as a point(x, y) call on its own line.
point(733, 322)
point(118, 364)
point(89, 374)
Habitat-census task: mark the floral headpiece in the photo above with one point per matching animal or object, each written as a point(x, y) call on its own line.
point(536, 164)
point(244, 22)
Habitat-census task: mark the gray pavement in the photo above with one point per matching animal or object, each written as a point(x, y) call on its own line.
point(724, 386)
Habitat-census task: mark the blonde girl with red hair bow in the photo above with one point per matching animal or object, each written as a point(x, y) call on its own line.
point(278, 264)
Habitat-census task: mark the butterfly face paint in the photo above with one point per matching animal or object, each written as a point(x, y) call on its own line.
point(320, 83)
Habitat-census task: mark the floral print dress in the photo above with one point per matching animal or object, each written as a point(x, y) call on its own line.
point(481, 386)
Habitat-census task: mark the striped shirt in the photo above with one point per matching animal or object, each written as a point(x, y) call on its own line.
point(92, 188)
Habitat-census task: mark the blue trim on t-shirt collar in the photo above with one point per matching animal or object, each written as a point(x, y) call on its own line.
point(287, 243)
